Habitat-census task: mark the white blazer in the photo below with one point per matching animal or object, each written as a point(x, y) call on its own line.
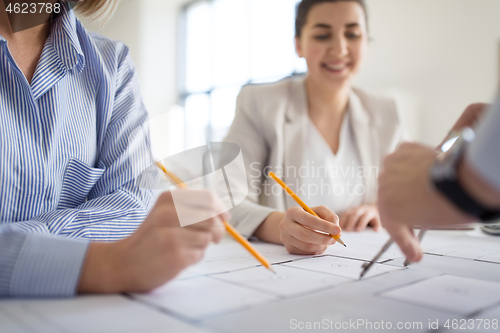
point(270, 126)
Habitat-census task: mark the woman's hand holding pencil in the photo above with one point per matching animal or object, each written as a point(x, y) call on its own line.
point(304, 230)
point(299, 230)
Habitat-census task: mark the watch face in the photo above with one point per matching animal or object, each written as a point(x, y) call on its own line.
point(451, 139)
point(445, 168)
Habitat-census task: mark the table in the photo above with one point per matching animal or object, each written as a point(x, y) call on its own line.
point(457, 282)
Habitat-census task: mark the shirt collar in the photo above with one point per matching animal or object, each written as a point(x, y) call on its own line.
point(65, 38)
point(2, 40)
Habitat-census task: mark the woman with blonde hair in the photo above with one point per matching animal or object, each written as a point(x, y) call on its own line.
point(324, 138)
point(73, 138)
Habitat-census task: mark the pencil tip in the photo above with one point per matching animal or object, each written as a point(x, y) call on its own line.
point(272, 270)
point(341, 242)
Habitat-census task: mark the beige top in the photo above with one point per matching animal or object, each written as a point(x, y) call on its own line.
point(270, 126)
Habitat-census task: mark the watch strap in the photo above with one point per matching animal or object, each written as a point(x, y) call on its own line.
point(456, 194)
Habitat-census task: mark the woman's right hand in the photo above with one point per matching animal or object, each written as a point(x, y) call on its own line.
point(297, 230)
point(157, 251)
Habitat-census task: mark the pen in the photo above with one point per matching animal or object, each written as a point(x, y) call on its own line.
point(229, 228)
point(366, 266)
point(300, 202)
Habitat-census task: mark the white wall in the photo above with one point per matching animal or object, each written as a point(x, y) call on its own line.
point(149, 28)
point(444, 53)
point(436, 56)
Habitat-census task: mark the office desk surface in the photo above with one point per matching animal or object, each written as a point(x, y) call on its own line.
point(455, 287)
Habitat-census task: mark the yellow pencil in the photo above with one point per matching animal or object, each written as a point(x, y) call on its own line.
point(300, 202)
point(229, 228)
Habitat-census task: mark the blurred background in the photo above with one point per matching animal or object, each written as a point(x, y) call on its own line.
point(433, 56)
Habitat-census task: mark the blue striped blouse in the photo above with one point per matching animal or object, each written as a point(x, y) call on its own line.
point(71, 145)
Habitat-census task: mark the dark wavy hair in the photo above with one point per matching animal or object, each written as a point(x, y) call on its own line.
point(304, 7)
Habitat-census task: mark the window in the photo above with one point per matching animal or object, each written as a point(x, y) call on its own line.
point(224, 45)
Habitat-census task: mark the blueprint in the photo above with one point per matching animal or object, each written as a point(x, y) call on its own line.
point(457, 279)
point(229, 279)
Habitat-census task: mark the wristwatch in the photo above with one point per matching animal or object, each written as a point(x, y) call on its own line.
point(444, 177)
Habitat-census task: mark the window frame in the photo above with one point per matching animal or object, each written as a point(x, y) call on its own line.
point(182, 91)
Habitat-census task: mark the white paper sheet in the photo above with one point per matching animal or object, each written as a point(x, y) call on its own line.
point(85, 314)
point(232, 256)
point(458, 244)
point(448, 293)
point(491, 314)
point(343, 267)
point(495, 257)
point(463, 250)
point(365, 245)
point(468, 245)
point(287, 282)
point(230, 281)
point(203, 297)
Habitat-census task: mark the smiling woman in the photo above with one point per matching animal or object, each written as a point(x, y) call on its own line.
point(305, 6)
point(333, 40)
point(312, 123)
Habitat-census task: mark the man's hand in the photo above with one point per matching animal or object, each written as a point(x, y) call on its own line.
point(158, 250)
point(358, 218)
point(469, 118)
point(297, 230)
point(406, 198)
